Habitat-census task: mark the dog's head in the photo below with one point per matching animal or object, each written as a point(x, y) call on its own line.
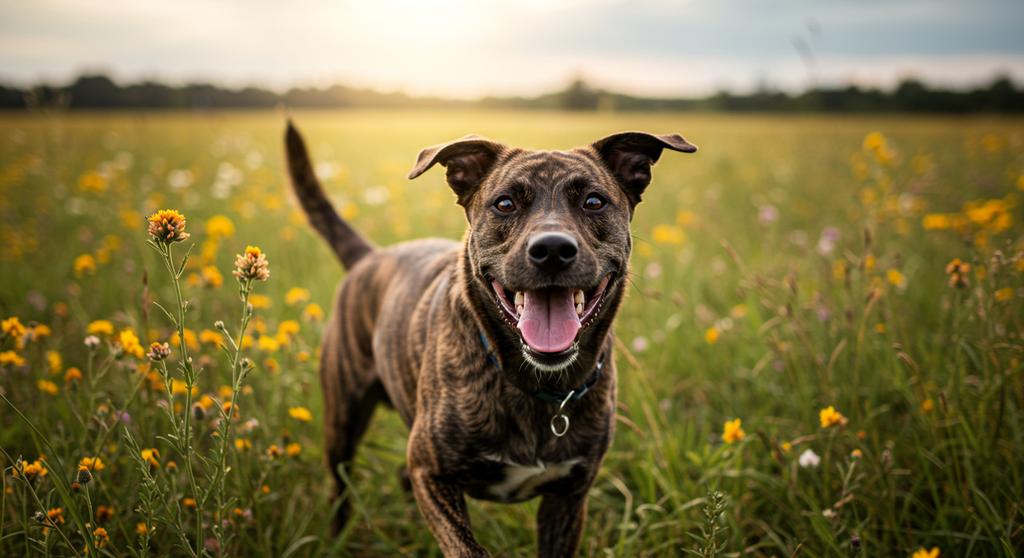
point(549, 233)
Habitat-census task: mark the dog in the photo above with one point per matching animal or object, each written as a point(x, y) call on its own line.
point(497, 351)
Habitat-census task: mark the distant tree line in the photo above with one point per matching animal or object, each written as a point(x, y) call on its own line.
point(100, 92)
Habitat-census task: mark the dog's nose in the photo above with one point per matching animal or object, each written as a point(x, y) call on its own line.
point(552, 251)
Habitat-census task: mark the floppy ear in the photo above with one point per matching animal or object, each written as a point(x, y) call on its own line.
point(468, 161)
point(630, 155)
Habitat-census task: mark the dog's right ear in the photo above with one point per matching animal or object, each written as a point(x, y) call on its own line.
point(468, 161)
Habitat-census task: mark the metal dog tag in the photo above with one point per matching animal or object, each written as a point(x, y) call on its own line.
point(560, 421)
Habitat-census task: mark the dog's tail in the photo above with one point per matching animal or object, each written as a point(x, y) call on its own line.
point(349, 245)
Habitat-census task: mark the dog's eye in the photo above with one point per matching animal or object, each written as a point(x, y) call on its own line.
point(505, 204)
point(593, 202)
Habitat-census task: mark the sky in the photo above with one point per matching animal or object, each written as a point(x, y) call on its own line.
point(470, 48)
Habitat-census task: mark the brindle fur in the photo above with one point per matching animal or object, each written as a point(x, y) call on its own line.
point(407, 324)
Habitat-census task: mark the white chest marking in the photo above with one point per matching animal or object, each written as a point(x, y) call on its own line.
point(521, 481)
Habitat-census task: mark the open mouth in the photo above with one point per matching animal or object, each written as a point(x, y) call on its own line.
point(549, 319)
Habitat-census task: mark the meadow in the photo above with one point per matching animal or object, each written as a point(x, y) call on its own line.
point(820, 352)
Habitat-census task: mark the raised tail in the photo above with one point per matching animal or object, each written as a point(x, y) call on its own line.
point(349, 245)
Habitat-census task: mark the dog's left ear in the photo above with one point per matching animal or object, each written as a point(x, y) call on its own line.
point(630, 155)
point(468, 161)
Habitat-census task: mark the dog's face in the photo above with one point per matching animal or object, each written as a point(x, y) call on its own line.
point(549, 231)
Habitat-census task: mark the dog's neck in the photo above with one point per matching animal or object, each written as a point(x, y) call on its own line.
point(505, 346)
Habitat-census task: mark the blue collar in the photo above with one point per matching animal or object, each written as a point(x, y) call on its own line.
point(552, 395)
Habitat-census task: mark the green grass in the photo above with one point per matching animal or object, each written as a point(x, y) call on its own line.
point(928, 376)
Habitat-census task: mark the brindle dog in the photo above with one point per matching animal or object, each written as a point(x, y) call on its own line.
point(496, 352)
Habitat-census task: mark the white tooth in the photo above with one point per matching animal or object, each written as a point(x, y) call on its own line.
point(519, 310)
point(579, 309)
point(520, 299)
point(578, 296)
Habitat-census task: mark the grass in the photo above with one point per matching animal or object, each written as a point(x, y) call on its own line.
point(793, 264)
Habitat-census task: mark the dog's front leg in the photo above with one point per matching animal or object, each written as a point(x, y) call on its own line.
point(443, 505)
point(560, 524)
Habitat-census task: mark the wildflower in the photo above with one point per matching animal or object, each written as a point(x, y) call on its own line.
point(958, 272)
point(104, 513)
point(92, 463)
point(922, 553)
point(271, 364)
point(129, 343)
point(72, 374)
point(219, 227)
point(46, 386)
point(30, 471)
point(260, 301)
point(313, 312)
point(54, 360)
point(55, 516)
point(211, 337)
point(711, 335)
point(167, 226)
point(230, 409)
point(100, 537)
point(927, 405)
point(896, 278)
point(151, 456)
point(287, 328)
point(12, 358)
point(293, 449)
point(786, 447)
point(856, 454)
point(268, 344)
point(265, 489)
point(158, 351)
point(273, 451)
point(300, 414)
point(191, 341)
point(879, 328)
point(91, 341)
point(172, 466)
point(827, 240)
point(302, 356)
point(808, 459)
point(84, 264)
point(211, 276)
point(188, 502)
point(141, 529)
point(13, 328)
point(296, 295)
point(242, 444)
point(830, 417)
point(767, 214)
point(179, 387)
point(1003, 295)
point(252, 265)
point(733, 431)
point(668, 234)
point(100, 327)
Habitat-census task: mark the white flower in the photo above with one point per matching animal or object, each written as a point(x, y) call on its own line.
point(809, 459)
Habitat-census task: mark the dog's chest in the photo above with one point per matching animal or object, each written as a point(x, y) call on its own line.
point(518, 482)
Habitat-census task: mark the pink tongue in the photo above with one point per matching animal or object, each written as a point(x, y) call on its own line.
point(549, 322)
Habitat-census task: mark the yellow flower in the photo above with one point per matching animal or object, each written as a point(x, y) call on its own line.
point(259, 301)
point(313, 312)
point(786, 447)
point(100, 327)
point(104, 513)
point(100, 537)
point(896, 278)
point(211, 277)
point(55, 362)
point(830, 417)
point(220, 226)
point(296, 295)
point(668, 234)
point(211, 337)
point(927, 405)
point(733, 431)
point(300, 413)
point(55, 516)
point(958, 272)
point(273, 451)
point(711, 335)
point(856, 454)
point(13, 328)
point(879, 328)
point(288, 328)
point(72, 375)
point(252, 265)
point(151, 456)
point(293, 449)
point(31, 470)
point(92, 182)
point(84, 264)
point(92, 464)
point(268, 344)
point(179, 387)
point(271, 364)
point(922, 553)
point(167, 226)
point(12, 358)
point(242, 444)
point(141, 529)
point(130, 343)
point(188, 502)
point(191, 341)
point(46, 386)
point(1005, 294)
